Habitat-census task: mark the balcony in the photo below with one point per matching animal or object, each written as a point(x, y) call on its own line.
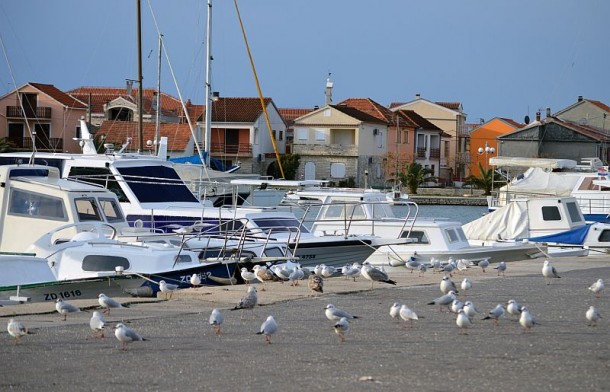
point(434, 153)
point(325, 149)
point(240, 149)
point(53, 144)
point(17, 112)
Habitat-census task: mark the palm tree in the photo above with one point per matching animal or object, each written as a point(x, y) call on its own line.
point(414, 175)
point(485, 181)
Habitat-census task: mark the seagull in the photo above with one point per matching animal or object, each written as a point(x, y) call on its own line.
point(16, 329)
point(412, 264)
point(268, 328)
point(462, 265)
point(327, 271)
point(216, 320)
point(167, 288)
point(483, 264)
point(281, 272)
point(435, 264)
point(64, 308)
point(501, 267)
point(395, 310)
point(296, 275)
point(97, 323)
point(263, 275)
point(470, 310)
point(195, 280)
point(549, 272)
point(422, 269)
point(463, 321)
point(593, 316)
point(316, 284)
point(444, 300)
point(318, 269)
point(526, 320)
point(495, 314)
point(333, 313)
point(456, 305)
point(449, 267)
point(597, 288)
point(126, 335)
point(447, 285)
point(107, 303)
point(247, 276)
point(407, 314)
point(341, 328)
point(375, 275)
point(249, 301)
point(512, 307)
point(353, 271)
point(466, 285)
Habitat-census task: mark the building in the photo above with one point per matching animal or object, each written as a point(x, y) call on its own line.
point(41, 114)
point(484, 143)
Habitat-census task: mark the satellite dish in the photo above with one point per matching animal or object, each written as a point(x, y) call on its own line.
point(526, 120)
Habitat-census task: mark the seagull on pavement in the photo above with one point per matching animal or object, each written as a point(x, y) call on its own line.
point(333, 313)
point(64, 308)
point(97, 323)
point(126, 335)
point(268, 328)
point(341, 327)
point(107, 303)
point(248, 301)
point(167, 288)
point(549, 272)
point(495, 314)
point(216, 320)
point(597, 288)
point(593, 316)
point(375, 274)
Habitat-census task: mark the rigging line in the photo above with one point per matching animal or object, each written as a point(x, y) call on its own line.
point(260, 93)
point(186, 113)
point(27, 123)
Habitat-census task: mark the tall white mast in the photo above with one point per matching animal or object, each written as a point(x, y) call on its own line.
point(208, 88)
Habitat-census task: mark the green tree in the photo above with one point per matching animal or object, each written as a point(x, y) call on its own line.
point(290, 164)
point(485, 181)
point(414, 175)
point(6, 145)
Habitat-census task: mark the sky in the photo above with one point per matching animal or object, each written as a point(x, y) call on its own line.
point(499, 58)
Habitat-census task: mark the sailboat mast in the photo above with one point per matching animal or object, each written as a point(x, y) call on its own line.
point(208, 88)
point(140, 104)
point(157, 125)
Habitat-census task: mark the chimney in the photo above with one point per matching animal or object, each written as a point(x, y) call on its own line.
point(580, 98)
point(329, 92)
point(417, 96)
point(538, 115)
point(548, 112)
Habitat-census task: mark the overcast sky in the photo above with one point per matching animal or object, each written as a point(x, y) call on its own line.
point(498, 58)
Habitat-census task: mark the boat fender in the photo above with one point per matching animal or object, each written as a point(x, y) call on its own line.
point(142, 291)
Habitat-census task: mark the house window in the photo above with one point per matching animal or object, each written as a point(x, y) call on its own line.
point(77, 133)
point(281, 136)
point(255, 135)
point(320, 135)
point(405, 137)
point(379, 139)
point(302, 134)
point(337, 170)
point(446, 152)
point(327, 113)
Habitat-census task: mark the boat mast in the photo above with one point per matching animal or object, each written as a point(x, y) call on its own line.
point(208, 88)
point(140, 124)
point(157, 125)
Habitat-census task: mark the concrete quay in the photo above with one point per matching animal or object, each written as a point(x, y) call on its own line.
point(562, 353)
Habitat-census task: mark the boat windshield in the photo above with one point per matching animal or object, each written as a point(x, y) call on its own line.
point(280, 225)
point(156, 184)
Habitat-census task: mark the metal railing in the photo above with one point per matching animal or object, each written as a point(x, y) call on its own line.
point(39, 112)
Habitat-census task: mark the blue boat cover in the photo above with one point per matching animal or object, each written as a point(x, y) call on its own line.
point(196, 160)
point(573, 237)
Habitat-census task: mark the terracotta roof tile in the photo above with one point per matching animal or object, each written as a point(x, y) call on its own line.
point(371, 108)
point(420, 121)
point(117, 133)
point(600, 105)
point(359, 115)
point(240, 110)
point(59, 96)
point(291, 114)
point(512, 122)
point(450, 105)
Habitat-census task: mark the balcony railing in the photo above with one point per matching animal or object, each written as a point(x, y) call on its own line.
point(421, 152)
point(54, 144)
point(240, 149)
point(17, 112)
point(434, 153)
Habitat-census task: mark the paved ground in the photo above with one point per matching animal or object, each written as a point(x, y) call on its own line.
point(182, 353)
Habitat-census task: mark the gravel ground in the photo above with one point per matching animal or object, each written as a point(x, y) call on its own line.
point(563, 353)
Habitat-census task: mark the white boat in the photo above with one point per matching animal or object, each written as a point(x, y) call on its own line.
point(587, 182)
point(366, 211)
point(555, 221)
point(73, 228)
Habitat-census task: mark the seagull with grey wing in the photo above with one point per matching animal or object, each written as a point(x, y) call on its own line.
point(447, 285)
point(501, 267)
point(16, 329)
point(126, 335)
point(249, 301)
point(167, 288)
point(216, 320)
point(375, 274)
point(495, 314)
point(108, 303)
point(483, 264)
point(64, 308)
point(445, 300)
point(97, 324)
point(593, 316)
point(333, 313)
point(549, 272)
point(268, 328)
point(597, 288)
point(341, 327)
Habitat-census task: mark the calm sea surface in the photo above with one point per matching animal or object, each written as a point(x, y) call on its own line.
point(462, 214)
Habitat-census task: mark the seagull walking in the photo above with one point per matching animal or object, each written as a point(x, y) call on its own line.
point(333, 313)
point(501, 267)
point(483, 264)
point(97, 324)
point(593, 316)
point(64, 308)
point(597, 288)
point(495, 314)
point(268, 328)
point(216, 320)
point(341, 328)
point(549, 272)
point(108, 303)
point(444, 300)
point(248, 301)
point(126, 335)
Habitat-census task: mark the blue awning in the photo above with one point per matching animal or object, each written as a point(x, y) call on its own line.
point(215, 164)
point(573, 237)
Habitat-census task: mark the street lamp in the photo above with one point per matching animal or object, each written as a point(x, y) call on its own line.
point(487, 151)
point(366, 179)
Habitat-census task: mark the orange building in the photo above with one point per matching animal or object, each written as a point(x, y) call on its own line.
point(483, 142)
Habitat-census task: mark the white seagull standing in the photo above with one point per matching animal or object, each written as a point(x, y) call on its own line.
point(248, 301)
point(512, 307)
point(341, 328)
point(107, 303)
point(470, 310)
point(395, 310)
point(64, 308)
point(526, 320)
point(97, 324)
point(375, 275)
point(268, 328)
point(597, 288)
point(447, 285)
point(466, 285)
point(593, 316)
point(463, 321)
point(195, 280)
point(407, 314)
point(167, 288)
point(549, 272)
point(495, 314)
point(216, 320)
point(483, 264)
point(333, 313)
point(444, 300)
point(501, 267)
point(126, 335)
point(247, 276)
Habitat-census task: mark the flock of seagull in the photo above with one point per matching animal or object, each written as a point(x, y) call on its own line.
point(465, 311)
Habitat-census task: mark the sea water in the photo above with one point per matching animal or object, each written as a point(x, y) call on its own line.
point(463, 214)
